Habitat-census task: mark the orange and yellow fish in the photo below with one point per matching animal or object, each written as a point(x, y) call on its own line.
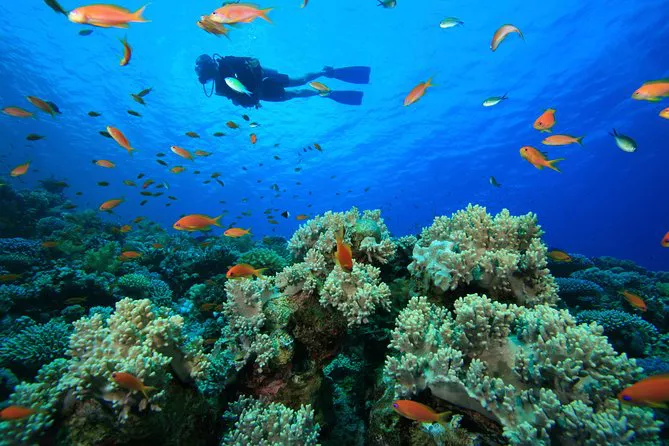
point(147, 183)
point(42, 105)
point(665, 240)
point(562, 140)
point(131, 382)
point(211, 307)
point(322, 89)
point(212, 27)
point(17, 112)
point(559, 256)
point(419, 412)
point(634, 300)
point(546, 121)
point(239, 13)
point(10, 277)
point(243, 270)
point(253, 138)
point(197, 222)
point(16, 413)
point(237, 232)
point(50, 244)
point(125, 229)
point(110, 204)
point(232, 125)
point(417, 92)
point(652, 91)
point(538, 159)
point(19, 170)
point(344, 254)
point(129, 255)
point(502, 33)
point(665, 113)
point(104, 163)
point(106, 16)
point(202, 153)
point(120, 138)
point(300, 217)
point(652, 391)
point(127, 52)
point(183, 153)
point(177, 169)
point(157, 246)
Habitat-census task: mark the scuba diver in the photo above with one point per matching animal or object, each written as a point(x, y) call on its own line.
point(254, 83)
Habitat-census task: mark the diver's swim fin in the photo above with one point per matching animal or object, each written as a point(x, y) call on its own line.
point(353, 75)
point(346, 97)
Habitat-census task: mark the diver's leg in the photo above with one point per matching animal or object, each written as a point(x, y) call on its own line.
point(292, 94)
point(288, 81)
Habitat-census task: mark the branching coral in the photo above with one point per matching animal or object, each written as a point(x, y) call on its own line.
point(522, 367)
point(272, 424)
point(355, 294)
point(503, 255)
point(34, 346)
point(139, 286)
point(627, 332)
point(264, 258)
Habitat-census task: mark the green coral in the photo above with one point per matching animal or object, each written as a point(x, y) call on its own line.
point(35, 346)
point(502, 255)
point(525, 368)
point(627, 332)
point(264, 258)
point(103, 260)
point(271, 424)
point(139, 286)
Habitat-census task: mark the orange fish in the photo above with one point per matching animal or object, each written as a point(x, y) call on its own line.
point(344, 255)
point(652, 391)
point(110, 204)
point(202, 153)
point(42, 105)
point(232, 125)
point(19, 170)
point(562, 140)
point(197, 222)
point(417, 92)
point(559, 256)
point(665, 240)
point(138, 219)
point(157, 246)
point(254, 138)
point(419, 412)
point(9, 277)
point(104, 163)
point(120, 139)
point(147, 183)
point(239, 13)
point(106, 16)
point(538, 159)
point(131, 382)
point(665, 113)
point(301, 217)
point(16, 413)
point(243, 270)
point(237, 232)
point(546, 121)
point(127, 52)
point(210, 307)
point(502, 33)
point(634, 300)
point(17, 112)
point(177, 169)
point(49, 244)
point(323, 89)
point(129, 255)
point(652, 91)
point(183, 153)
point(212, 27)
point(210, 341)
point(125, 228)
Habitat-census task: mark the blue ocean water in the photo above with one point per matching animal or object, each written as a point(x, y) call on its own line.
point(582, 58)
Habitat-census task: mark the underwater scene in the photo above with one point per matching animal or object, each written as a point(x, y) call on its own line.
point(350, 222)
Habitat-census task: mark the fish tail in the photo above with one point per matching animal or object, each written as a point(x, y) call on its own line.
point(552, 164)
point(263, 14)
point(339, 236)
point(580, 141)
point(443, 418)
point(248, 231)
point(146, 389)
point(258, 273)
point(217, 221)
point(137, 15)
point(429, 83)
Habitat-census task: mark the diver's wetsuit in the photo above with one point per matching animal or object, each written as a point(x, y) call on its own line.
point(264, 84)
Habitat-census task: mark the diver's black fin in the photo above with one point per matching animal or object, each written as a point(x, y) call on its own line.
point(346, 97)
point(352, 75)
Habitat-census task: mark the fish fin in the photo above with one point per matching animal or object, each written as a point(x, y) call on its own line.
point(263, 14)
point(339, 236)
point(259, 272)
point(137, 15)
point(654, 99)
point(656, 405)
point(248, 231)
point(658, 81)
point(546, 131)
point(429, 83)
point(552, 164)
point(552, 110)
point(579, 141)
point(217, 221)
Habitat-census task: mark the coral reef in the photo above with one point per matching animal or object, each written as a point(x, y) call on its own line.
point(626, 332)
point(501, 255)
point(264, 258)
point(524, 368)
point(28, 349)
point(270, 424)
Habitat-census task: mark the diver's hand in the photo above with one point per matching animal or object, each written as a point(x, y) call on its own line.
point(328, 71)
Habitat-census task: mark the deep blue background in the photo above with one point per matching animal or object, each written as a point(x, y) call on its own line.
point(582, 58)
